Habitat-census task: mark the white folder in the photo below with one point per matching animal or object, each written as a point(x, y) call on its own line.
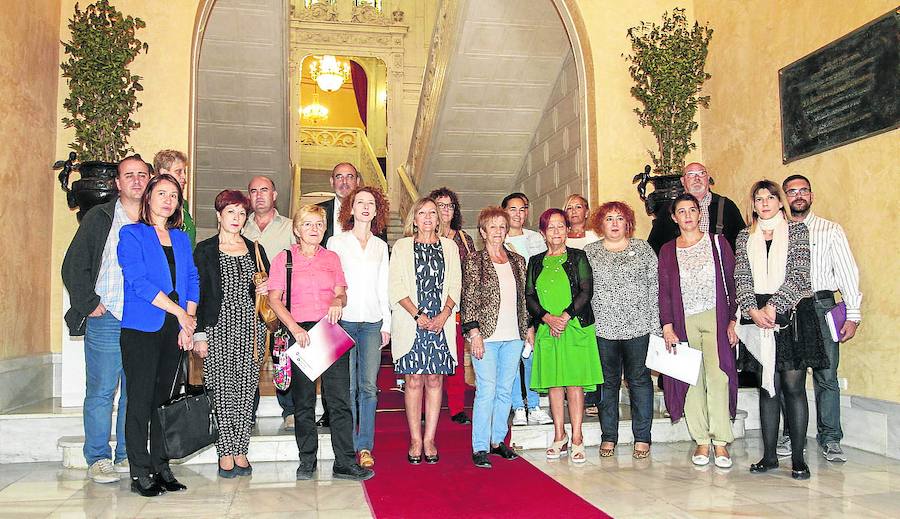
point(683, 364)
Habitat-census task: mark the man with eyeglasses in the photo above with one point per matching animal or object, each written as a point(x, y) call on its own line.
point(832, 268)
point(718, 214)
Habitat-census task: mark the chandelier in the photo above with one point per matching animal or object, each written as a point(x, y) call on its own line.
point(329, 73)
point(314, 112)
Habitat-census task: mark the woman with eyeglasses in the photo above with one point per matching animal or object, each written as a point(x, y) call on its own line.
point(451, 228)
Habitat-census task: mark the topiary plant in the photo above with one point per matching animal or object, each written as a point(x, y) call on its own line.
point(667, 66)
point(102, 91)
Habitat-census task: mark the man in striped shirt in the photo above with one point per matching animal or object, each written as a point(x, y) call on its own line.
point(832, 268)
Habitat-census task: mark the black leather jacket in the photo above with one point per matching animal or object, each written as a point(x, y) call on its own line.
point(581, 283)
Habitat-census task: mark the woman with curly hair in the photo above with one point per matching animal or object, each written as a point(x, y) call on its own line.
point(367, 316)
point(451, 228)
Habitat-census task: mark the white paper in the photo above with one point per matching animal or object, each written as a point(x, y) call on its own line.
point(683, 365)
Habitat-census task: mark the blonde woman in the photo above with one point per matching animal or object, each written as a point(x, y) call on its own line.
point(578, 210)
point(424, 288)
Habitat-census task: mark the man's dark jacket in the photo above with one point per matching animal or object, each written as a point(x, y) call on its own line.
point(81, 266)
point(665, 229)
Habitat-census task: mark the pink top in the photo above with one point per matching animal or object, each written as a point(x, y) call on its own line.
point(312, 281)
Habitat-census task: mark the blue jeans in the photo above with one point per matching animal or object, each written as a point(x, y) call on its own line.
point(365, 360)
point(532, 397)
point(494, 375)
point(630, 356)
point(103, 371)
point(825, 383)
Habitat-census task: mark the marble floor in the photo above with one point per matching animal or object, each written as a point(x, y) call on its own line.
point(667, 485)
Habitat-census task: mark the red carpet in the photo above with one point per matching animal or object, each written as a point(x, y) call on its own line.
point(454, 487)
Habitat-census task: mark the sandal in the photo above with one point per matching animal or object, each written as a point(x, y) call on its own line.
point(558, 449)
point(640, 454)
point(578, 455)
point(607, 453)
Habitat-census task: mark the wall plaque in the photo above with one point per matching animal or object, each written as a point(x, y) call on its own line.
point(843, 92)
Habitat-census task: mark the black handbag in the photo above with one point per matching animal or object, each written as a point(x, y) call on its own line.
point(188, 419)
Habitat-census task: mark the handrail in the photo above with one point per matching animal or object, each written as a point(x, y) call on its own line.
point(351, 138)
point(409, 189)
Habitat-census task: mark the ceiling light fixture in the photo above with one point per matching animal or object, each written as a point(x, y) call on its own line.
point(329, 73)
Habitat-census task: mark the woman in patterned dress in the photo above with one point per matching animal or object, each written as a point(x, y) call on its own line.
point(626, 307)
point(229, 333)
point(451, 227)
point(425, 284)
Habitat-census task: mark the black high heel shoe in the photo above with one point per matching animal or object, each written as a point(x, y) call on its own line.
point(414, 460)
point(763, 466)
point(431, 460)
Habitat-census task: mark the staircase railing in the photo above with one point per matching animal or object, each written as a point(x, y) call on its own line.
point(406, 196)
point(324, 146)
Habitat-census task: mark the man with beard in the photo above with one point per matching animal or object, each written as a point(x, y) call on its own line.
point(718, 214)
point(275, 233)
point(832, 268)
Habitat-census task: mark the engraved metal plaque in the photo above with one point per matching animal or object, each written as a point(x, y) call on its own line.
point(843, 92)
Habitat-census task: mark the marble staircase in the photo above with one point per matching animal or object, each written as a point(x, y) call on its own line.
point(48, 432)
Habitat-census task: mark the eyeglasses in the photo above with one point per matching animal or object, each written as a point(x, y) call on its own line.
point(695, 174)
point(450, 205)
point(803, 191)
point(342, 178)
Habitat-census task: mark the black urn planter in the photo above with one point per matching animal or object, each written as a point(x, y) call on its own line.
point(96, 186)
point(665, 189)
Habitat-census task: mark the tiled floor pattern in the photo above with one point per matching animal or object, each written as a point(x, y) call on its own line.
point(667, 485)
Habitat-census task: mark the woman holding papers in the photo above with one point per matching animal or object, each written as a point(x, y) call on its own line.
point(367, 316)
point(229, 334)
point(778, 319)
point(697, 306)
point(626, 307)
point(495, 319)
point(566, 363)
point(424, 287)
point(318, 292)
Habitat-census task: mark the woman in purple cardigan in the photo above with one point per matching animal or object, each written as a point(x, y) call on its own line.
point(697, 305)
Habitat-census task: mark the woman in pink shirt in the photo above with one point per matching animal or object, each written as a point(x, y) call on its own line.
point(317, 290)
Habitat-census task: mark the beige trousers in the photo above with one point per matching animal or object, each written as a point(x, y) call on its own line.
point(706, 405)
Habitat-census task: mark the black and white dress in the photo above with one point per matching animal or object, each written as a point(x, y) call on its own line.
point(230, 369)
point(430, 354)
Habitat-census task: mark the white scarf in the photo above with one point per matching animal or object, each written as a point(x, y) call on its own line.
point(768, 275)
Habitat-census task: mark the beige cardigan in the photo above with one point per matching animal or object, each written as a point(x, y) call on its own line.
point(402, 283)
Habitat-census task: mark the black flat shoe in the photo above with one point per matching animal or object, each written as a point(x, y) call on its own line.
point(504, 451)
point(801, 472)
point(763, 466)
point(243, 471)
point(431, 460)
point(353, 473)
point(306, 471)
point(480, 459)
point(325, 421)
point(167, 480)
point(228, 473)
point(146, 486)
point(461, 418)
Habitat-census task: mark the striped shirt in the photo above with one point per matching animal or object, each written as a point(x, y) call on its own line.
point(832, 266)
point(110, 284)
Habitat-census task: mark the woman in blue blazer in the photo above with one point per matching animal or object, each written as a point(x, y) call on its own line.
point(162, 290)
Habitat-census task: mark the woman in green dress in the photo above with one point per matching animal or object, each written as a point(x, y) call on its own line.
point(558, 293)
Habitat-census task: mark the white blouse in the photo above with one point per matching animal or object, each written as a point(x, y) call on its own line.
point(698, 276)
point(366, 272)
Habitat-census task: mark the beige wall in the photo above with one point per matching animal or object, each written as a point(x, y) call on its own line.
point(29, 50)
point(622, 143)
point(164, 117)
point(856, 184)
point(554, 166)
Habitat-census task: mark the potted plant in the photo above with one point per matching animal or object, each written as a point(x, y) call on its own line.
point(667, 65)
point(102, 99)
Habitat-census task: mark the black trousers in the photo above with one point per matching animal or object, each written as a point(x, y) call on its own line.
point(336, 391)
point(150, 360)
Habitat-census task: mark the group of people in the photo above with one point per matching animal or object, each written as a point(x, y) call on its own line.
point(567, 311)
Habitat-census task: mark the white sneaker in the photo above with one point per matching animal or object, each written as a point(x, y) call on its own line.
point(102, 471)
point(783, 448)
point(519, 418)
point(122, 467)
point(537, 416)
